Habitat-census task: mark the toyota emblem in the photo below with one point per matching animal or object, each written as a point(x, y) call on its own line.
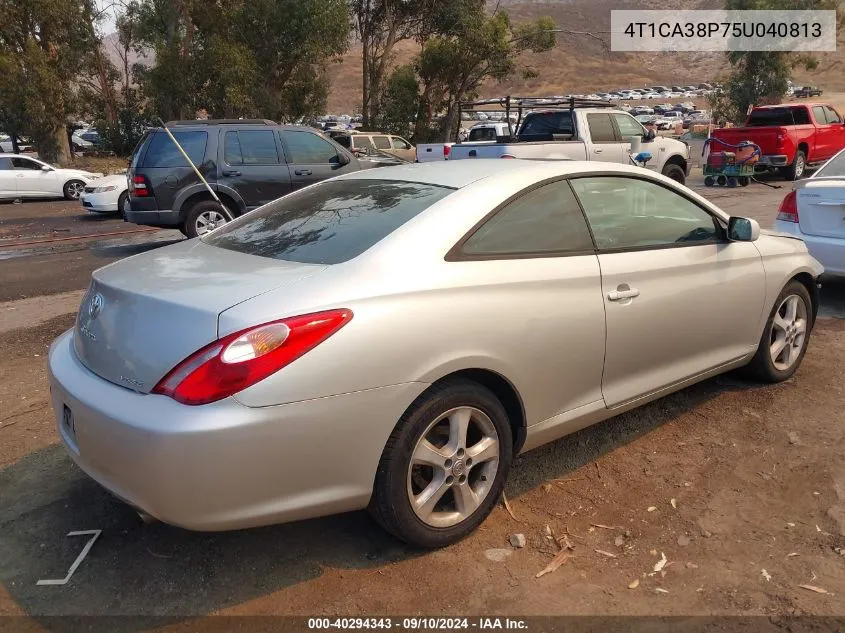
point(96, 306)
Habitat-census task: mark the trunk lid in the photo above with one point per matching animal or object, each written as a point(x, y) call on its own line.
point(143, 315)
point(821, 207)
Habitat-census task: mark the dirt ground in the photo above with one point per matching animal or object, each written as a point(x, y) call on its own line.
point(741, 486)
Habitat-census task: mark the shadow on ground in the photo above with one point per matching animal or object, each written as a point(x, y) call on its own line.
point(137, 569)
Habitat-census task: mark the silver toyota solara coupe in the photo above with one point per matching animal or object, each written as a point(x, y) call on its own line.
point(392, 338)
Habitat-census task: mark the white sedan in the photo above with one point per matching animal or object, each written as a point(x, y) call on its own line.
point(105, 195)
point(28, 177)
point(815, 211)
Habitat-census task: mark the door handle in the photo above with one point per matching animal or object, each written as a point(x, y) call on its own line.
point(231, 172)
point(618, 295)
point(597, 151)
point(302, 172)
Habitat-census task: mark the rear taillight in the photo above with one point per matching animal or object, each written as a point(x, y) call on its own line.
point(447, 150)
point(781, 137)
point(139, 187)
point(237, 361)
point(788, 211)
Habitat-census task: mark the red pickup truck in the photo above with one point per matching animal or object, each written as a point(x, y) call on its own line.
point(792, 136)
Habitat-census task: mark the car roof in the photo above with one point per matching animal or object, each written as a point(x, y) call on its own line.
point(13, 155)
point(461, 173)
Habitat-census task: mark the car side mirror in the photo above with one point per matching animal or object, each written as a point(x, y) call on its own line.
point(45, 168)
point(743, 229)
point(649, 135)
point(343, 159)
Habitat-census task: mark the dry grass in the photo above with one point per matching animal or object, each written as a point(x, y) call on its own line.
point(580, 64)
point(106, 164)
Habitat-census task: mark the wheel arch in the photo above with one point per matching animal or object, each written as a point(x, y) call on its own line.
point(189, 197)
point(807, 280)
point(504, 390)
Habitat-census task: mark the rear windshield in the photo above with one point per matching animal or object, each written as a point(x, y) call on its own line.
point(778, 116)
point(162, 152)
point(482, 134)
point(327, 224)
point(834, 167)
point(541, 126)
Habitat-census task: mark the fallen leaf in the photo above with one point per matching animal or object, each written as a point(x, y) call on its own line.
point(660, 590)
point(634, 584)
point(653, 552)
point(659, 565)
point(791, 525)
point(508, 507)
point(816, 589)
point(603, 553)
point(791, 554)
point(674, 503)
point(651, 509)
point(560, 558)
point(766, 575)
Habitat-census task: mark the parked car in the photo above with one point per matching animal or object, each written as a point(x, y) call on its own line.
point(109, 194)
point(578, 130)
point(247, 162)
point(483, 132)
point(7, 146)
point(815, 211)
point(302, 330)
point(85, 140)
point(29, 177)
point(808, 91)
point(361, 142)
point(792, 137)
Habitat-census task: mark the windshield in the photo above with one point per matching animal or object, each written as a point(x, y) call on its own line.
point(482, 134)
point(329, 223)
point(835, 167)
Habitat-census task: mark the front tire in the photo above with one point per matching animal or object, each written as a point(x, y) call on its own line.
point(675, 172)
point(785, 337)
point(73, 189)
point(203, 217)
point(444, 466)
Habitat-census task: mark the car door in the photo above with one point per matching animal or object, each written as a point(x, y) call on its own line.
point(603, 144)
point(679, 298)
point(31, 179)
point(312, 158)
point(626, 127)
point(535, 276)
point(825, 138)
point(8, 182)
point(251, 165)
point(837, 129)
point(402, 148)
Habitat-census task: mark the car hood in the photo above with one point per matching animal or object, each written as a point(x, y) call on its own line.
point(109, 181)
point(79, 173)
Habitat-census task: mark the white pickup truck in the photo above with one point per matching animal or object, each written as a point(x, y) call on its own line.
point(598, 133)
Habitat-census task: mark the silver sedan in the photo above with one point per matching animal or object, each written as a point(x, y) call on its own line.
point(391, 339)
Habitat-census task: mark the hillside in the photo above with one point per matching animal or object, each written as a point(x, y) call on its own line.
point(580, 64)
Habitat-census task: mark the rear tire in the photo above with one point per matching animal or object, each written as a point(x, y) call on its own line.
point(121, 204)
point(675, 172)
point(204, 216)
point(783, 326)
point(73, 189)
point(796, 170)
point(467, 492)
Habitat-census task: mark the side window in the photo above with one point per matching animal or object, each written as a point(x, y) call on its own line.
point(5, 164)
point(400, 143)
point(232, 149)
point(258, 147)
point(306, 148)
point(819, 115)
point(633, 213)
point(360, 141)
point(25, 163)
point(832, 116)
point(628, 126)
point(801, 116)
point(382, 142)
point(545, 220)
point(601, 129)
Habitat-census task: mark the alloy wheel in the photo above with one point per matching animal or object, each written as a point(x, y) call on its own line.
point(75, 189)
point(789, 330)
point(208, 221)
point(453, 467)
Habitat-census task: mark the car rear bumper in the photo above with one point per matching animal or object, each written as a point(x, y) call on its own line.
point(774, 160)
point(152, 218)
point(224, 465)
point(829, 251)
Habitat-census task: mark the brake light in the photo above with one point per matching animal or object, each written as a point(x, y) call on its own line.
point(788, 211)
point(139, 187)
point(781, 137)
point(240, 360)
point(447, 150)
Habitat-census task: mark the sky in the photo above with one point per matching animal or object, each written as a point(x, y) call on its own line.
point(106, 25)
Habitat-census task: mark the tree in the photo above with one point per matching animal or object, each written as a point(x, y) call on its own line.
point(399, 101)
point(44, 46)
point(761, 77)
point(454, 67)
